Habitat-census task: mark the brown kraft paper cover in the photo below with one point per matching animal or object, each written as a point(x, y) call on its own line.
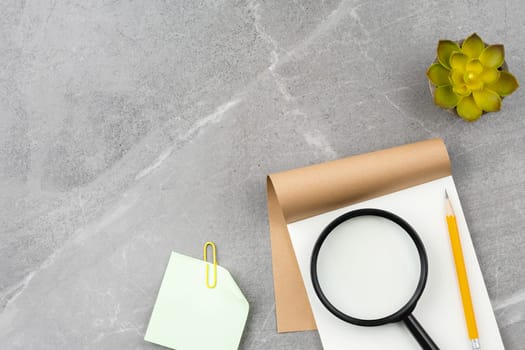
point(300, 193)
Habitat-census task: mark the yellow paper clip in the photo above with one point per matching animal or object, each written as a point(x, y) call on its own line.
point(214, 251)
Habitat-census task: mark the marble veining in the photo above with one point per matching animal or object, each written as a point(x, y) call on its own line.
point(133, 128)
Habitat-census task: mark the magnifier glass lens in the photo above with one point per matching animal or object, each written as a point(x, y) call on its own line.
point(368, 267)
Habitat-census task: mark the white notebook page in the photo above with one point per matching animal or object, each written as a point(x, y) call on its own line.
point(439, 310)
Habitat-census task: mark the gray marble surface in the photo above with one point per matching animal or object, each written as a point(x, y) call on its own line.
point(133, 128)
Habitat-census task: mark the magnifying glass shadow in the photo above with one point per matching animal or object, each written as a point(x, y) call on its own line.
point(404, 314)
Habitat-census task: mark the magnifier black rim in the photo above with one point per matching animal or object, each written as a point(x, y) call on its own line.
point(404, 311)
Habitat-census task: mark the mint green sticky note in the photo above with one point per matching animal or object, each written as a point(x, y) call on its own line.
point(189, 316)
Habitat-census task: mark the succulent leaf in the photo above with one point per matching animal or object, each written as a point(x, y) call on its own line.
point(445, 97)
point(492, 56)
point(461, 90)
point(490, 75)
point(468, 110)
point(505, 85)
point(444, 50)
point(473, 46)
point(438, 74)
point(458, 61)
point(487, 100)
point(456, 78)
point(474, 66)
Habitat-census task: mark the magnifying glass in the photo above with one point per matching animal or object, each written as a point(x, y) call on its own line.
point(369, 268)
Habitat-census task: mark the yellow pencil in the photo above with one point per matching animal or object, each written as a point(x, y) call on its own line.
point(461, 271)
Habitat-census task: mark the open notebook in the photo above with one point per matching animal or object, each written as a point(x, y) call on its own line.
point(439, 309)
point(409, 181)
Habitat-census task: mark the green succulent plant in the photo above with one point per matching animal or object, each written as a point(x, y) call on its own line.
point(470, 78)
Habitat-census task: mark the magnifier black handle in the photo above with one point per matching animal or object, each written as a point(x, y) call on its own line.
point(419, 333)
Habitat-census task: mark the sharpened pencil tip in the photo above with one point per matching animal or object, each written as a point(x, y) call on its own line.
point(446, 194)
